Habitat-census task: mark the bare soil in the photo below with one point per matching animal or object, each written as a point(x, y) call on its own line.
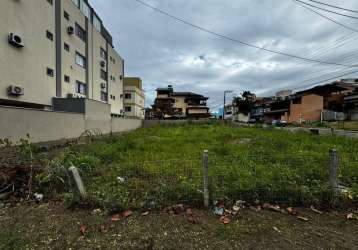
point(53, 226)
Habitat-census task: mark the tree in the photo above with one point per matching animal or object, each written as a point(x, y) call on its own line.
point(245, 102)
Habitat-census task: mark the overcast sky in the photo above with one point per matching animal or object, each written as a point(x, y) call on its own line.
point(163, 51)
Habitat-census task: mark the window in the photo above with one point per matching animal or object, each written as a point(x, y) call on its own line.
point(103, 75)
point(76, 2)
point(113, 97)
point(81, 88)
point(49, 35)
point(80, 32)
point(80, 60)
point(103, 54)
point(128, 96)
point(128, 109)
point(104, 96)
point(66, 15)
point(66, 47)
point(50, 72)
point(67, 78)
point(85, 9)
point(50, 1)
point(97, 23)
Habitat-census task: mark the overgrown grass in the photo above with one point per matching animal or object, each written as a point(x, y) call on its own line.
point(162, 165)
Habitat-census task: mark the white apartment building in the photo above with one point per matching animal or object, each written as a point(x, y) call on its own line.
point(57, 49)
point(134, 98)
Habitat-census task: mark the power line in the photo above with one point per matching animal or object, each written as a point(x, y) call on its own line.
point(238, 41)
point(330, 11)
point(334, 6)
point(326, 17)
point(325, 80)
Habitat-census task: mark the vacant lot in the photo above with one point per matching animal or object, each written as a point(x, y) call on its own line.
point(161, 166)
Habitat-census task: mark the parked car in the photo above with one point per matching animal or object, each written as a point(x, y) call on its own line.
point(279, 123)
point(252, 121)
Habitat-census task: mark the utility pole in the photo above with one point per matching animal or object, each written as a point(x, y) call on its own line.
point(225, 92)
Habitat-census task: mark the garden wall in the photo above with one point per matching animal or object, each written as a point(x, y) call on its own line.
point(46, 126)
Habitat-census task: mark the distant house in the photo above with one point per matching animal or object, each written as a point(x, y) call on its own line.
point(134, 97)
point(229, 111)
point(179, 105)
point(324, 102)
point(351, 107)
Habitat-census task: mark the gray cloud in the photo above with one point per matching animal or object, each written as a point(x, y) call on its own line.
point(162, 51)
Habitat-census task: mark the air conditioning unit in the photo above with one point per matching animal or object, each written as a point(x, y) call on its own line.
point(15, 90)
point(16, 40)
point(70, 30)
point(103, 85)
point(103, 63)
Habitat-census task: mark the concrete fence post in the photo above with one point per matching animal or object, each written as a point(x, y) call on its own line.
point(77, 179)
point(333, 170)
point(206, 177)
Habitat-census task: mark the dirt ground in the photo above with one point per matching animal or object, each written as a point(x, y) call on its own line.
point(52, 226)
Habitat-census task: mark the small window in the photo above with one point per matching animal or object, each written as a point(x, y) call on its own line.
point(113, 78)
point(114, 61)
point(50, 1)
point(104, 96)
point(128, 109)
point(104, 75)
point(128, 96)
point(103, 54)
point(80, 32)
point(66, 47)
point(67, 78)
point(80, 60)
point(76, 2)
point(81, 88)
point(50, 72)
point(49, 35)
point(66, 15)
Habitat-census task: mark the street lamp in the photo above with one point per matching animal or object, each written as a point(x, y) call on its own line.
point(226, 92)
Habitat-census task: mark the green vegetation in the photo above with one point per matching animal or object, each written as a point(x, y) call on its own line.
point(162, 165)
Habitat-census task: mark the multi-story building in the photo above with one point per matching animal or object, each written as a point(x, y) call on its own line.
point(134, 98)
point(180, 105)
point(57, 49)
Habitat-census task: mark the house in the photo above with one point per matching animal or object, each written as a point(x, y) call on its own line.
point(57, 49)
point(325, 102)
point(179, 105)
point(134, 97)
point(351, 107)
point(229, 111)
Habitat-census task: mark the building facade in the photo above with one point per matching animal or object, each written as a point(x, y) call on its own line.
point(180, 105)
point(57, 49)
point(134, 98)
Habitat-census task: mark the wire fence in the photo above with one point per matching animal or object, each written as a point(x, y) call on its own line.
point(293, 179)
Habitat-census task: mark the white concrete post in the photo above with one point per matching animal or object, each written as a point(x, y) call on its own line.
point(333, 170)
point(206, 177)
point(77, 178)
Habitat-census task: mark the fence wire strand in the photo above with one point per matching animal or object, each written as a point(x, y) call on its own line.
point(280, 178)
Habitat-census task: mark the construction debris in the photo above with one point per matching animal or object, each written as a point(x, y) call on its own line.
point(302, 218)
point(219, 211)
point(225, 220)
point(316, 210)
point(352, 216)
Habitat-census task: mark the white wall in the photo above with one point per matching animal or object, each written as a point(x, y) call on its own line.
point(45, 126)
